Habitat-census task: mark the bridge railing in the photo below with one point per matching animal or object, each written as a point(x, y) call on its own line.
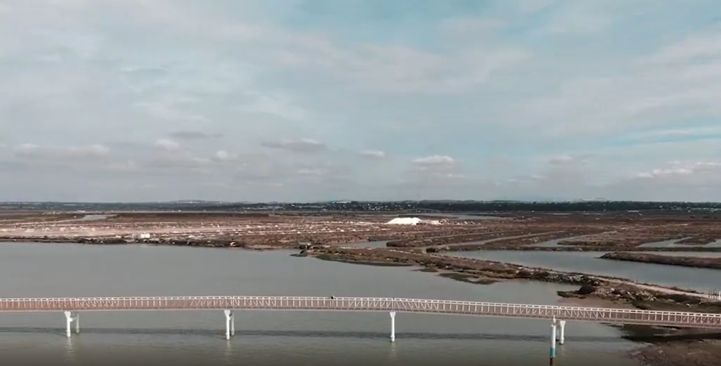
point(316, 303)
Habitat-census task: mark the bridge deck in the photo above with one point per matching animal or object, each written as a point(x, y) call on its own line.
point(353, 304)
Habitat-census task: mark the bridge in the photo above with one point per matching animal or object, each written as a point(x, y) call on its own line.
point(72, 305)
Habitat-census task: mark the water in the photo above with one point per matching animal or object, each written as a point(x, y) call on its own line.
point(550, 243)
point(95, 217)
point(269, 338)
point(674, 244)
point(701, 279)
point(367, 244)
point(687, 254)
point(555, 242)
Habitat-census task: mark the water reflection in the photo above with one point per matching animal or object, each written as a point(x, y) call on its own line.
point(268, 338)
point(69, 351)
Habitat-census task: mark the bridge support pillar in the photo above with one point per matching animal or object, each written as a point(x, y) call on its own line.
point(71, 317)
point(229, 324)
point(562, 336)
point(393, 326)
point(552, 352)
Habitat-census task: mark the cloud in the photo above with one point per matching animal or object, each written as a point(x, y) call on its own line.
point(223, 155)
point(695, 47)
point(166, 109)
point(296, 145)
point(194, 135)
point(441, 167)
point(167, 144)
point(315, 172)
point(470, 26)
point(682, 168)
point(532, 6)
point(561, 160)
point(679, 82)
point(176, 163)
point(405, 70)
point(62, 152)
point(543, 83)
point(578, 22)
point(435, 162)
point(273, 104)
point(373, 154)
point(664, 136)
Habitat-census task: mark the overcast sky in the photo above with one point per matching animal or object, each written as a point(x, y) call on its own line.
point(292, 100)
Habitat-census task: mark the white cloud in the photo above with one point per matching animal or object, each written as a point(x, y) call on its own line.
point(407, 70)
point(683, 168)
point(167, 144)
point(61, 152)
point(315, 172)
point(686, 132)
point(304, 145)
point(392, 68)
point(561, 160)
point(569, 160)
point(579, 24)
point(166, 109)
point(275, 105)
point(222, 155)
point(177, 163)
point(532, 6)
point(637, 94)
point(435, 161)
point(537, 74)
point(437, 167)
point(194, 135)
point(373, 154)
point(695, 47)
point(470, 26)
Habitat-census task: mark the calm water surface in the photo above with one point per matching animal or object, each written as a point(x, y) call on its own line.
point(688, 254)
point(674, 244)
point(589, 262)
point(269, 338)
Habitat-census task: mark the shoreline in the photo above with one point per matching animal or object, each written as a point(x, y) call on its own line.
point(640, 295)
point(333, 237)
point(456, 247)
point(652, 349)
point(694, 262)
point(679, 353)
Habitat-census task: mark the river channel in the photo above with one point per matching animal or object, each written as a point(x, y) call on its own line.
point(270, 338)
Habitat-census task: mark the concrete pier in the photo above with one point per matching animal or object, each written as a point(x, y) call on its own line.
point(562, 336)
point(229, 324)
point(552, 352)
point(71, 317)
point(393, 326)
point(387, 305)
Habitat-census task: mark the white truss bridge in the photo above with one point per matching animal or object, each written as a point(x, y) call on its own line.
point(72, 305)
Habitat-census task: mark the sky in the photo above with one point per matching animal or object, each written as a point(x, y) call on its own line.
point(309, 100)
